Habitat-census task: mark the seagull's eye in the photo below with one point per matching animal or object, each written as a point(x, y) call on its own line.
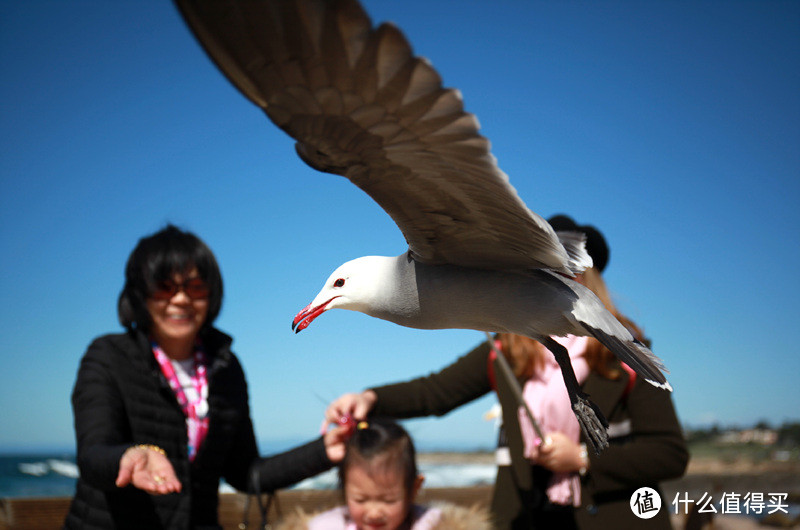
point(339, 283)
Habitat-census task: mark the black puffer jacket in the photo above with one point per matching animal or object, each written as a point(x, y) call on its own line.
point(121, 399)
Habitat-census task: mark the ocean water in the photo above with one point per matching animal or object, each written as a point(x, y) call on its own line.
point(436, 476)
point(54, 475)
point(38, 475)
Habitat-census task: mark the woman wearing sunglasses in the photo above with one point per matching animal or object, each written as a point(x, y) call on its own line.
point(161, 410)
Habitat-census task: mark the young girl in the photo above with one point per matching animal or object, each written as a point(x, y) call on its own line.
point(379, 480)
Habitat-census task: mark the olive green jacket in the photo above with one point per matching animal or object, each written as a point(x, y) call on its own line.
point(646, 442)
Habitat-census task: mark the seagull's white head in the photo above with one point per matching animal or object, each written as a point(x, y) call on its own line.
point(354, 286)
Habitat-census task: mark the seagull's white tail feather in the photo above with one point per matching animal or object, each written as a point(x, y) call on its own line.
point(578, 259)
point(634, 354)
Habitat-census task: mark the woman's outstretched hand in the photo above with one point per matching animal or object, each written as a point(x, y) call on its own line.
point(147, 469)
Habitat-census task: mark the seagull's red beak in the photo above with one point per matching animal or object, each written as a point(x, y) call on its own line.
point(308, 314)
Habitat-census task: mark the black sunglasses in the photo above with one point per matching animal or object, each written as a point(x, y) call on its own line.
point(195, 288)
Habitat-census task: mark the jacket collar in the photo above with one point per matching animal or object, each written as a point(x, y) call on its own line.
point(604, 392)
point(217, 346)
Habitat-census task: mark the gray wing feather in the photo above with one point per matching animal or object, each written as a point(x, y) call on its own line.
point(592, 316)
point(360, 104)
point(637, 356)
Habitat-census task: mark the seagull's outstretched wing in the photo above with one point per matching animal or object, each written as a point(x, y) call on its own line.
point(360, 104)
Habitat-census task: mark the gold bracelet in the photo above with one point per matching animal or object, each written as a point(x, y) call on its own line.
point(151, 447)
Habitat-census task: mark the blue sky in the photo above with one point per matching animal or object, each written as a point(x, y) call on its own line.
point(673, 126)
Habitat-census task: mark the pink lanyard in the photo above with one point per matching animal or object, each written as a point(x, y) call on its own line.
point(196, 427)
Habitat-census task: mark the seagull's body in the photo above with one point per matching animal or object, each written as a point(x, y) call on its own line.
point(361, 105)
point(412, 294)
point(538, 303)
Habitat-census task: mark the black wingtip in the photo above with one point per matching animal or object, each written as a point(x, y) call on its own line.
point(643, 361)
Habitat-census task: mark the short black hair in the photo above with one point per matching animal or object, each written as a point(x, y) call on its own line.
point(381, 437)
point(157, 258)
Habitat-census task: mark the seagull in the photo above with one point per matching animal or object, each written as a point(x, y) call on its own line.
point(360, 104)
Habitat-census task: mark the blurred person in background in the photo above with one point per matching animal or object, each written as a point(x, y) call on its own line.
point(379, 482)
